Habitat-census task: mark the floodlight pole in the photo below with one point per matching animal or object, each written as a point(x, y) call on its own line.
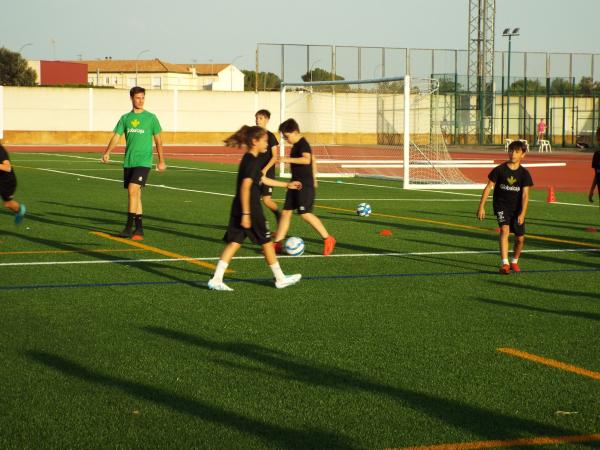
point(509, 34)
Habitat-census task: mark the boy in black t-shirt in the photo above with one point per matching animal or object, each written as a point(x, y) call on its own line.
point(247, 219)
point(268, 160)
point(596, 179)
point(8, 186)
point(511, 184)
point(302, 166)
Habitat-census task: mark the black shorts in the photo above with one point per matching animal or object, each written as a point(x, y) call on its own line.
point(266, 191)
point(258, 232)
point(135, 175)
point(302, 200)
point(7, 190)
point(511, 219)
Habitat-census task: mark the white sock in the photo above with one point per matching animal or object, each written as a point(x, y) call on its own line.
point(277, 272)
point(514, 261)
point(220, 271)
point(504, 261)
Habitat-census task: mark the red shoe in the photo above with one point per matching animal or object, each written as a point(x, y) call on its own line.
point(278, 246)
point(515, 267)
point(504, 269)
point(328, 245)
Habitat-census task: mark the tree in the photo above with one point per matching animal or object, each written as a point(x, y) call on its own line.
point(534, 87)
point(318, 74)
point(561, 86)
point(448, 86)
point(14, 70)
point(587, 87)
point(267, 81)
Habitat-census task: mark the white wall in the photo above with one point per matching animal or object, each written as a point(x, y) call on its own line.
point(230, 79)
point(72, 109)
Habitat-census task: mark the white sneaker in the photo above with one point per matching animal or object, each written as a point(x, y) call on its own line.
point(218, 286)
point(288, 280)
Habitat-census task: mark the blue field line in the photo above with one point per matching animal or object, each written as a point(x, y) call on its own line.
point(269, 280)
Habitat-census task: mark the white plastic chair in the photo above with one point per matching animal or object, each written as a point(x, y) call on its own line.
point(507, 142)
point(545, 146)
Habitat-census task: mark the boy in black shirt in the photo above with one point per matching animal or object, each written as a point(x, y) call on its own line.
point(511, 184)
point(302, 167)
point(8, 186)
point(268, 160)
point(596, 179)
point(247, 219)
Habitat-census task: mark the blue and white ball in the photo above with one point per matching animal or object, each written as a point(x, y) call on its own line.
point(294, 246)
point(363, 209)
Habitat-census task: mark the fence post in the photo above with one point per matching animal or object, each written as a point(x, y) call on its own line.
point(1, 112)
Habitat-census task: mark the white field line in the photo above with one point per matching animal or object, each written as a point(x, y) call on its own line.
point(398, 161)
point(162, 186)
point(243, 258)
point(445, 166)
point(320, 181)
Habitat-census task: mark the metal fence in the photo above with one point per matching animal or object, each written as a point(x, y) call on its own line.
point(561, 88)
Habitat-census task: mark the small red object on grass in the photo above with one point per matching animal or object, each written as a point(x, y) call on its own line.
point(591, 229)
point(385, 232)
point(498, 230)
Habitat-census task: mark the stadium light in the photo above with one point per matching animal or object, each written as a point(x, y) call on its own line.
point(509, 34)
point(136, 64)
point(29, 44)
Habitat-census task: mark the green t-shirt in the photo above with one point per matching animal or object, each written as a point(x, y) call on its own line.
point(139, 129)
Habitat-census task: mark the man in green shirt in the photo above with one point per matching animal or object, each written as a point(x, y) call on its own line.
point(140, 128)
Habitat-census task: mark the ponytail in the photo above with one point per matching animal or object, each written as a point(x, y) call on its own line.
point(244, 137)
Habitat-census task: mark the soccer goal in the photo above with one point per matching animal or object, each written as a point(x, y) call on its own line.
point(374, 127)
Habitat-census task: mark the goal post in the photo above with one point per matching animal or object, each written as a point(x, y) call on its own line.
point(385, 127)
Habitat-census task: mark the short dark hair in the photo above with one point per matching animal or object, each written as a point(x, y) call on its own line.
point(264, 113)
point(136, 90)
point(517, 145)
point(289, 126)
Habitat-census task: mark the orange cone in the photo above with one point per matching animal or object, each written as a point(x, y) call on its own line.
point(551, 197)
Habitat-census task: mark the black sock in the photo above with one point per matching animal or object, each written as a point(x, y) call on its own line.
point(130, 219)
point(138, 221)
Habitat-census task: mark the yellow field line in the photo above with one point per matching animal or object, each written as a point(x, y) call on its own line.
point(157, 250)
point(464, 227)
point(47, 252)
point(543, 440)
point(550, 362)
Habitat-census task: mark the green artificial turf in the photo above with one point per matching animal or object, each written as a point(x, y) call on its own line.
point(366, 351)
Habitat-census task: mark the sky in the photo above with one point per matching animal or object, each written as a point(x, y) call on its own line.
point(222, 31)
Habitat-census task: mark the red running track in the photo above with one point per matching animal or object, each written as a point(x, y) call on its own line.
point(575, 177)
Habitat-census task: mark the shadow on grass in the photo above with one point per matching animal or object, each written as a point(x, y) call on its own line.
point(550, 291)
point(152, 268)
point(168, 220)
point(273, 434)
point(482, 422)
point(559, 312)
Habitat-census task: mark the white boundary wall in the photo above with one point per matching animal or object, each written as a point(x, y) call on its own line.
point(70, 109)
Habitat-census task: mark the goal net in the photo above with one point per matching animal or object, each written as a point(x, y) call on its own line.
point(373, 127)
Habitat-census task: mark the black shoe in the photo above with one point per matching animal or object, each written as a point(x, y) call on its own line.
point(138, 234)
point(126, 233)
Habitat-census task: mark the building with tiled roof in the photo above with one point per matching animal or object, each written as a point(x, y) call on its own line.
point(158, 74)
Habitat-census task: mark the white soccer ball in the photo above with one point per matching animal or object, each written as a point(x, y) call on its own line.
point(294, 246)
point(363, 209)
